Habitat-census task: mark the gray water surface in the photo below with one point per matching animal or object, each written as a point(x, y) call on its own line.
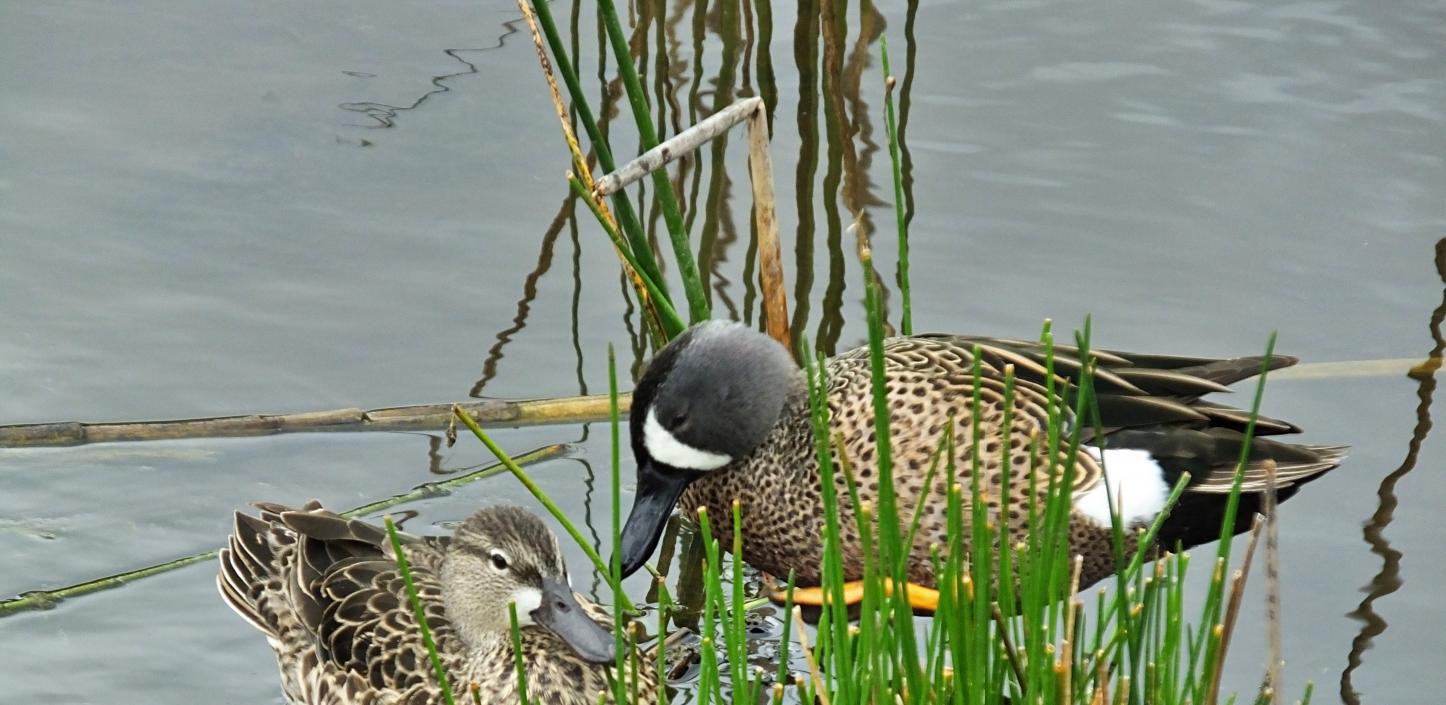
point(230, 208)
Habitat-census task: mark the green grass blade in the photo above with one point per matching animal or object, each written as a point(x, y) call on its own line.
point(667, 315)
point(627, 218)
point(420, 614)
point(615, 565)
point(516, 654)
point(598, 563)
point(906, 321)
point(663, 186)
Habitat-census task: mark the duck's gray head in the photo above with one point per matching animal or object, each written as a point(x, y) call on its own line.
point(708, 398)
point(506, 554)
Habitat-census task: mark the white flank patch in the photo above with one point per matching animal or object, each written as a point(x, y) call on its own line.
point(1136, 483)
point(528, 600)
point(670, 451)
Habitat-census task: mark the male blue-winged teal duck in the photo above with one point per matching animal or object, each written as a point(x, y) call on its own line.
point(326, 592)
point(722, 412)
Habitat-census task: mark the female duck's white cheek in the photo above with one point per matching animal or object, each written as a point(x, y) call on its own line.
point(670, 451)
point(527, 600)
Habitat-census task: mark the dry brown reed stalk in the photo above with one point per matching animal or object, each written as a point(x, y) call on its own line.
point(770, 251)
point(1232, 608)
point(1009, 650)
point(580, 168)
point(813, 670)
point(1272, 587)
point(672, 640)
point(1066, 651)
point(1102, 684)
point(421, 417)
point(861, 240)
point(760, 164)
point(493, 412)
point(578, 161)
point(1345, 369)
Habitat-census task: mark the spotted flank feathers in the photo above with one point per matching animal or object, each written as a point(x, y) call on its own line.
point(725, 390)
point(326, 592)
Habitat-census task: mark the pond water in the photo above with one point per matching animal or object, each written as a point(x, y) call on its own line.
point(272, 207)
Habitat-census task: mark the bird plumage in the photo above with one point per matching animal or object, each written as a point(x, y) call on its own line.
point(1153, 427)
point(327, 593)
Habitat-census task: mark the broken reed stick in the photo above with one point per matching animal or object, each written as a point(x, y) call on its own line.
point(1347, 369)
point(1007, 643)
point(423, 417)
point(760, 167)
point(1232, 608)
point(1272, 588)
point(814, 671)
point(1072, 606)
point(770, 251)
point(679, 145)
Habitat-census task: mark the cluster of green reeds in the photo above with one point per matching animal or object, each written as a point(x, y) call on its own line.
point(621, 223)
point(1011, 625)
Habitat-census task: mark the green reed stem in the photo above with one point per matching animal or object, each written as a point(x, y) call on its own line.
point(1215, 597)
point(615, 564)
point(627, 218)
point(784, 643)
point(421, 615)
point(598, 563)
point(667, 315)
point(933, 471)
point(906, 322)
point(662, 185)
point(833, 637)
point(738, 638)
point(516, 654)
point(710, 684)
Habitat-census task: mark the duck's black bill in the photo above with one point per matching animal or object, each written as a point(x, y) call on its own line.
point(658, 491)
point(562, 615)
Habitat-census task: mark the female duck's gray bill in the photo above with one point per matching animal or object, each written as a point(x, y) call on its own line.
point(658, 491)
point(562, 615)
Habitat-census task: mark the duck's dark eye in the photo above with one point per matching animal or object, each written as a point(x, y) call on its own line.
point(499, 561)
point(677, 420)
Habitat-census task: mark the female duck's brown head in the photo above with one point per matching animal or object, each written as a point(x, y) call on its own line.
point(505, 554)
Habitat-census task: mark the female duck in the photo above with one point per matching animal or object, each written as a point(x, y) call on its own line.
point(326, 592)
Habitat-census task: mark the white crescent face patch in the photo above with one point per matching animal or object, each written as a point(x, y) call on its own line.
point(669, 450)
